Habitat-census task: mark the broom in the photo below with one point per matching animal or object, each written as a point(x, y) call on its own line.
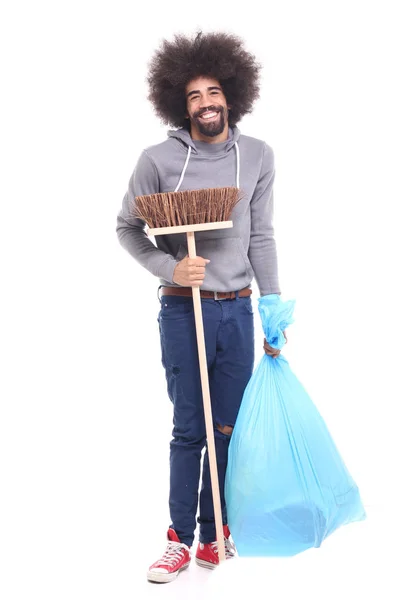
point(188, 212)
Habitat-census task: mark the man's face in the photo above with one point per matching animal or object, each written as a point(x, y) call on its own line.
point(206, 108)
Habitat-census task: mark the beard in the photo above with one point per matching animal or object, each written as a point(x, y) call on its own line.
point(213, 128)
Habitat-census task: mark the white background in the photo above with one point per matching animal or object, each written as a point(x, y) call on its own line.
point(85, 419)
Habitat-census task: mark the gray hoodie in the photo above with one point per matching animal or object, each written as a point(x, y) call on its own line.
point(238, 254)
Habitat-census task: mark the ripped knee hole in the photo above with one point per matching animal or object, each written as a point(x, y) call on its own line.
point(226, 429)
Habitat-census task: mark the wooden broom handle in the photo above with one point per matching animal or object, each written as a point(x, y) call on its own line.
point(198, 315)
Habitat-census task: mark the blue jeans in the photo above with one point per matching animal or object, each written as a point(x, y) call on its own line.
point(229, 337)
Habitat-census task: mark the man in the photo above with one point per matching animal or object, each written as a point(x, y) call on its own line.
point(203, 86)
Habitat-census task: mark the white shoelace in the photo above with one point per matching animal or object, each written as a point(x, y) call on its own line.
point(173, 554)
point(230, 548)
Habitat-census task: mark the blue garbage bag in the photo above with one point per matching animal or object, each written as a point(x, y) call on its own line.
point(287, 487)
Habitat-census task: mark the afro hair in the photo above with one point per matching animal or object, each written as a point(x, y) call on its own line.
point(217, 55)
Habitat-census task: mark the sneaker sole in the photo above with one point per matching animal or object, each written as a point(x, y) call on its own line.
point(205, 564)
point(165, 577)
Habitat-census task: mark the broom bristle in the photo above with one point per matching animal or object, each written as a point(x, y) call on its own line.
point(189, 207)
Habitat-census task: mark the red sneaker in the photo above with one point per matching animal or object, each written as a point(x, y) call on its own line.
point(175, 559)
point(207, 554)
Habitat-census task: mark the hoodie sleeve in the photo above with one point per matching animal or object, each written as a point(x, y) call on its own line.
point(262, 250)
point(131, 231)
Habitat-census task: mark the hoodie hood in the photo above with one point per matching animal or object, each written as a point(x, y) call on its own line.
point(206, 148)
point(200, 147)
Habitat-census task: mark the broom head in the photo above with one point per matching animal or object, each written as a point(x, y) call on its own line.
point(191, 207)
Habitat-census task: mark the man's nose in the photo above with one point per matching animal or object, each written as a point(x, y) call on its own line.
point(205, 102)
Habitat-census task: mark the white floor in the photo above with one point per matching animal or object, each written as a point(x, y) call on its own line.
point(357, 561)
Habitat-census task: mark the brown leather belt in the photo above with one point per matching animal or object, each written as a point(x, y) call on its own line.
point(187, 291)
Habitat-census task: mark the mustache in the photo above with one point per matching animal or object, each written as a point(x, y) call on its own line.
point(216, 109)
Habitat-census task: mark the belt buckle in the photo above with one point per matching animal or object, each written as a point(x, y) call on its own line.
point(216, 297)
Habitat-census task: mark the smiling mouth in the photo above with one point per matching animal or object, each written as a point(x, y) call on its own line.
point(209, 116)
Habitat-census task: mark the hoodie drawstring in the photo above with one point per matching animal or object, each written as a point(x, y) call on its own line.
point(187, 162)
point(183, 170)
point(237, 164)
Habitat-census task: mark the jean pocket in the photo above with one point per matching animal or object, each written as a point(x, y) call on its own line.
point(175, 308)
point(247, 304)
